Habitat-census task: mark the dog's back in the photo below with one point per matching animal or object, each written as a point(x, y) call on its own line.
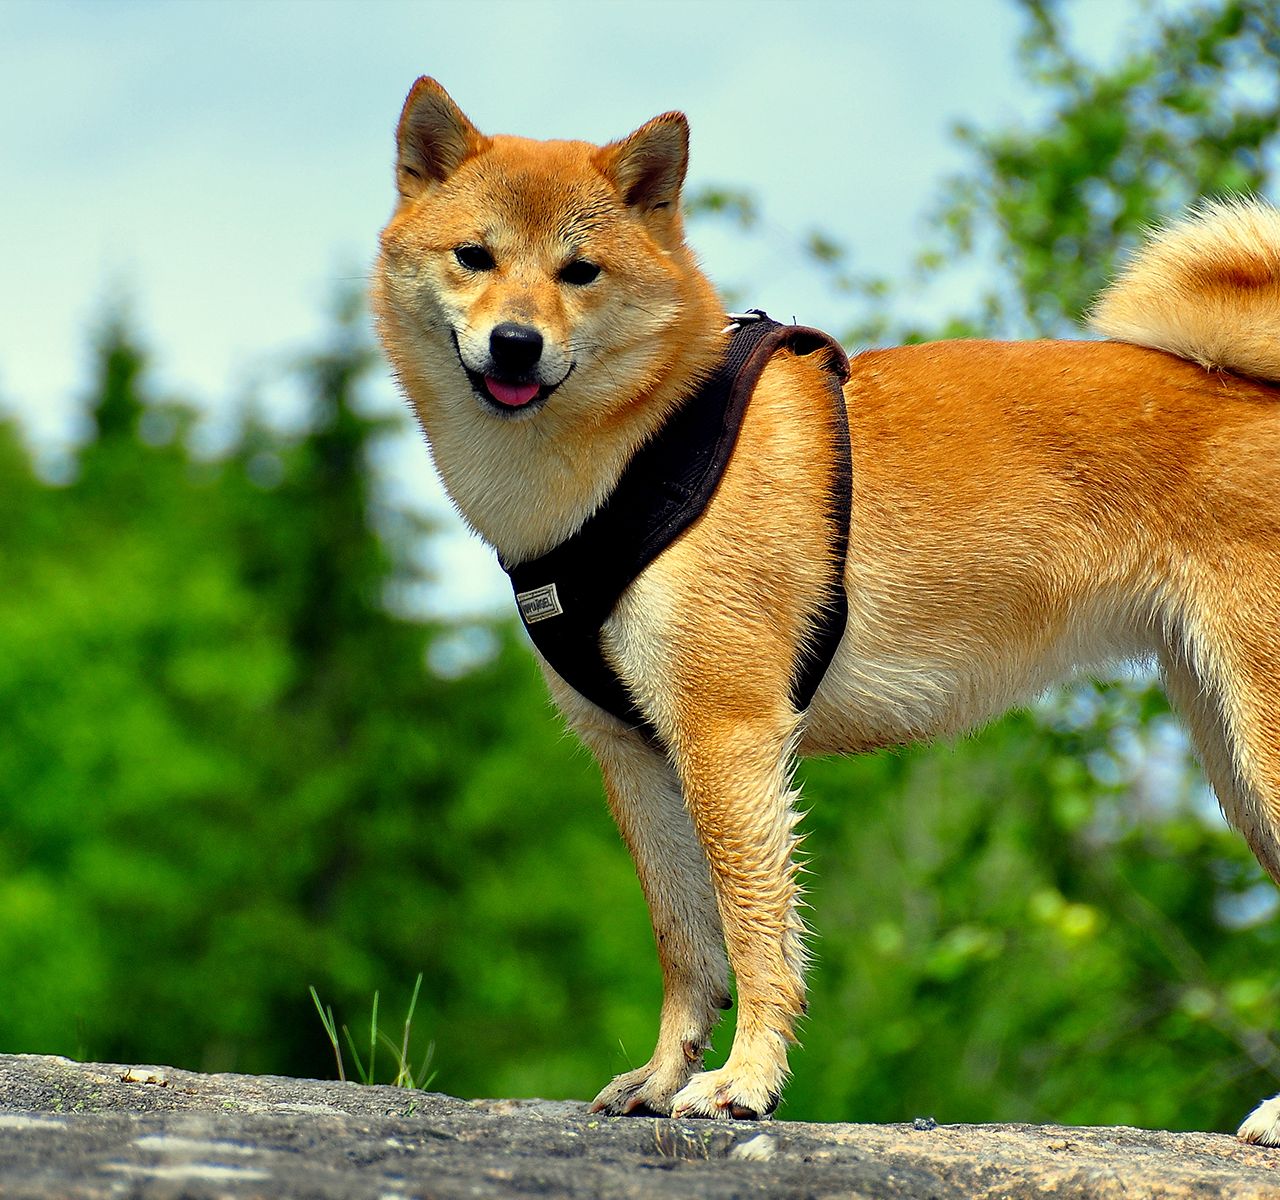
point(1027, 509)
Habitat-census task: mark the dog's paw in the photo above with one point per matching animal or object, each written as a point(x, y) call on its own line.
point(724, 1095)
point(1263, 1124)
point(644, 1092)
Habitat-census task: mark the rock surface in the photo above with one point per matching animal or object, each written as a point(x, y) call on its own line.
point(72, 1130)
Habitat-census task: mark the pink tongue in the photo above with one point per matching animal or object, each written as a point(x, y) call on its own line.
point(511, 394)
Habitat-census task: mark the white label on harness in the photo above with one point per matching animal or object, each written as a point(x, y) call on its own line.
point(539, 604)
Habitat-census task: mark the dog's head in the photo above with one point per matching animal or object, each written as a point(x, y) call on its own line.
point(517, 275)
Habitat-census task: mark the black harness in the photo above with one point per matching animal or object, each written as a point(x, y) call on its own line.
point(566, 595)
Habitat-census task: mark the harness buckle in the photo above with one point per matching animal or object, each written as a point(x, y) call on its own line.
point(737, 320)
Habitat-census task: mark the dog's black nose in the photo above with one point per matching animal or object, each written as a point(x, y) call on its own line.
point(515, 348)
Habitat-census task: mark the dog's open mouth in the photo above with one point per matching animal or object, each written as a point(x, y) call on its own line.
point(513, 395)
point(509, 397)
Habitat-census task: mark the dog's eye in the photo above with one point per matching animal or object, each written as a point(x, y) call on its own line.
point(474, 258)
point(579, 272)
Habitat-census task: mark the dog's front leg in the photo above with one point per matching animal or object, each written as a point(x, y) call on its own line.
point(736, 782)
point(644, 795)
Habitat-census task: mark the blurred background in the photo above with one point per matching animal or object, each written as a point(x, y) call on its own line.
point(268, 723)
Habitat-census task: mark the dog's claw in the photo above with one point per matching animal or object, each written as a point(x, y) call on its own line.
point(644, 1092)
point(721, 1096)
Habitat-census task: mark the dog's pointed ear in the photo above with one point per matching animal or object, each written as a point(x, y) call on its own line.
point(648, 167)
point(433, 138)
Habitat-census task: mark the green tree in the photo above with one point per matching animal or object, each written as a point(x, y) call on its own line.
point(1049, 206)
point(228, 771)
point(1191, 113)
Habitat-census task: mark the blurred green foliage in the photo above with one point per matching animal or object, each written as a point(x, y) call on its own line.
point(1188, 109)
point(1190, 112)
point(239, 762)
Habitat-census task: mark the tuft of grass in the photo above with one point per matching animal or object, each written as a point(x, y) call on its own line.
point(365, 1069)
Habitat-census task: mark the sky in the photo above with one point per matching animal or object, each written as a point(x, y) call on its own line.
point(224, 167)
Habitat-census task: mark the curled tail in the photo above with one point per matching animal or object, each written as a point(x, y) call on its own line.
point(1205, 288)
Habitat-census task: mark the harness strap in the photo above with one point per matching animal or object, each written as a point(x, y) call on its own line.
point(566, 595)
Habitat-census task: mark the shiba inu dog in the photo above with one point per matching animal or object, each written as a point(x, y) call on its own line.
point(1020, 511)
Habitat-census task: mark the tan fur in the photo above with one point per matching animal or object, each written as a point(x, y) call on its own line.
point(1021, 511)
point(1207, 288)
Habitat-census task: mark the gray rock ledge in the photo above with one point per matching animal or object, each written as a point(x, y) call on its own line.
point(71, 1130)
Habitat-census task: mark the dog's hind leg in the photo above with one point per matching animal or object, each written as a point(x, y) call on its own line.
point(1223, 742)
point(645, 798)
point(1224, 679)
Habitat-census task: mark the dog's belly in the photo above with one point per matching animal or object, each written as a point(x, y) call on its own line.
point(883, 690)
